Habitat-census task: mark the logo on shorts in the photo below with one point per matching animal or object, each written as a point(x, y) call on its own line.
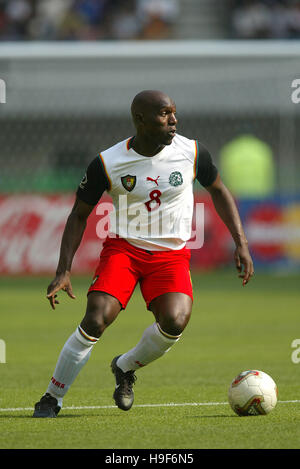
point(128, 182)
point(176, 179)
point(95, 280)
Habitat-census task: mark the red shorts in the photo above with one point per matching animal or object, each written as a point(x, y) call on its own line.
point(122, 266)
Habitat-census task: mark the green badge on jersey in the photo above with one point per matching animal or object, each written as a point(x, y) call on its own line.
point(176, 178)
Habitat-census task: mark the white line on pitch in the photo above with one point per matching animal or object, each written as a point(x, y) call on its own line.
point(169, 404)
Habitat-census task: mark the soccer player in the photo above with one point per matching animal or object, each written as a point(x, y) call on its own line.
point(150, 175)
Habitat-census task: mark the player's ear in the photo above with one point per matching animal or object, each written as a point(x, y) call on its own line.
point(139, 118)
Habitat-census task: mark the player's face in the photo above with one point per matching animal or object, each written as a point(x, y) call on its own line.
point(160, 122)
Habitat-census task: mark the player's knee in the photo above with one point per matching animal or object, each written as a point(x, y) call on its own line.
point(174, 322)
point(172, 311)
point(101, 312)
point(93, 325)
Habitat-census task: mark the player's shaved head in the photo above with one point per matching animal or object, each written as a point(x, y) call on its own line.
point(154, 116)
point(149, 100)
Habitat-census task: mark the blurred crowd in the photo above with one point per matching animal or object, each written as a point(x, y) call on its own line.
point(137, 19)
point(87, 19)
point(265, 19)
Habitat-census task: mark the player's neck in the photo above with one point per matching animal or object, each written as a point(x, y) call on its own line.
point(145, 147)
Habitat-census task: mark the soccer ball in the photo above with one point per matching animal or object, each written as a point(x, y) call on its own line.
point(252, 392)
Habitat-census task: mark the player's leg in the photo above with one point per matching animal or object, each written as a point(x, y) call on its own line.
point(168, 294)
point(101, 311)
point(110, 291)
point(172, 312)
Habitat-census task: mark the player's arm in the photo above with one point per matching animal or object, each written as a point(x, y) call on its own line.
point(226, 208)
point(207, 175)
point(72, 236)
point(88, 194)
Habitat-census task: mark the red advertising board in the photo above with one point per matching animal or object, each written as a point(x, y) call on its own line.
point(31, 228)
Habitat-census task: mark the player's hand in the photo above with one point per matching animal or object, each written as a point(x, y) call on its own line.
point(60, 282)
point(242, 260)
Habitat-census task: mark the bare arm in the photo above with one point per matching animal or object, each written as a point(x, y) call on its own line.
point(72, 236)
point(227, 210)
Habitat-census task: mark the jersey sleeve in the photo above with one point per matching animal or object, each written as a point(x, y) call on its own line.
point(206, 171)
point(93, 183)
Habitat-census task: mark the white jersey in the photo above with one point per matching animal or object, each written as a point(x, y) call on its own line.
point(152, 196)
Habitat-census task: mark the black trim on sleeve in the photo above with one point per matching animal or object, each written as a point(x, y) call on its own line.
point(93, 184)
point(206, 171)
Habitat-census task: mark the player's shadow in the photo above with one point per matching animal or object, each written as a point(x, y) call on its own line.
point(215, 416)
point(72, 416)
point(60, 417)
point(13, 416)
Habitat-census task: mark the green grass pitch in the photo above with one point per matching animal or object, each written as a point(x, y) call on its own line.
point(181, 399)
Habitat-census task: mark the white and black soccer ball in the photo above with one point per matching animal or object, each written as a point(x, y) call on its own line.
point(252, 392)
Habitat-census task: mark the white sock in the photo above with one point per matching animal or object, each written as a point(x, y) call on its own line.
point(73, 357)
point(153, 344)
